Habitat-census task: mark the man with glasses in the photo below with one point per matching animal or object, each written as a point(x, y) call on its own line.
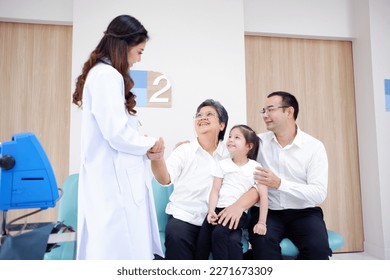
point(295, 169)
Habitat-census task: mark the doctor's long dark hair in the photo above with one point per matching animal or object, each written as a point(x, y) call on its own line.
point(122, 33)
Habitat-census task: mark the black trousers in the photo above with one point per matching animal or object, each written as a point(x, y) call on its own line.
point(180, 240)
point(222, 242)
point(304, 227)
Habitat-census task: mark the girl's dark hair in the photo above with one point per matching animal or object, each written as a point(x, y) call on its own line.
point(250, 138)
point(221, 111)
point(122, 33)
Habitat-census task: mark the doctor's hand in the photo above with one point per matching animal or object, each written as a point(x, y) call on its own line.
point(266, 177)
point(157, 151)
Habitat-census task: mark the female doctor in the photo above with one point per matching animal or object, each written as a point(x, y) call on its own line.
point(116, 214)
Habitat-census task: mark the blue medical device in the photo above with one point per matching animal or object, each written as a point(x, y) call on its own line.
point(26, 177)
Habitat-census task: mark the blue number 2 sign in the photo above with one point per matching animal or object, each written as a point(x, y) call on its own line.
point(152, 89)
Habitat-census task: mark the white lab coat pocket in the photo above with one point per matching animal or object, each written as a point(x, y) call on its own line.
point(121, 177)
point(130, 174)
point(136, 179)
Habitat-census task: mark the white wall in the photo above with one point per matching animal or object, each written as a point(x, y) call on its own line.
point(300, 18)
point(199, 46)
point(37, 11)
point(375, 156)
point(367, 132)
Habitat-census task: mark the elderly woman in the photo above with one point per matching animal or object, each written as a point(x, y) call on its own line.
point(189, 168)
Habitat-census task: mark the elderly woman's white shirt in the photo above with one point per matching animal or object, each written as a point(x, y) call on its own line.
point(190, 168)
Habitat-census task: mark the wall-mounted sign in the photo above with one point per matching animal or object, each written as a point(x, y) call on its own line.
point(387, 94)
point(152, 89)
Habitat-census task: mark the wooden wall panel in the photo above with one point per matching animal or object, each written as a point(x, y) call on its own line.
point(35, 81)
point(320, 74)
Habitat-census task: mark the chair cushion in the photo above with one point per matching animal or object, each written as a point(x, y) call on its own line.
point(67, 213)
point(336, 241)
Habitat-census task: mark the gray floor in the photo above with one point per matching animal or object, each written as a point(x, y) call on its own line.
point(352, 256)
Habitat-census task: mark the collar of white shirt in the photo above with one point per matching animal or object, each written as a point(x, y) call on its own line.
point(221, 148)
point(298, 140)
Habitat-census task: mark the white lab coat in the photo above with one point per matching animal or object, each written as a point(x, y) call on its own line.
point(116, 213)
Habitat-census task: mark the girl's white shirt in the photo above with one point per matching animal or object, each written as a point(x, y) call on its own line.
point(237, 180)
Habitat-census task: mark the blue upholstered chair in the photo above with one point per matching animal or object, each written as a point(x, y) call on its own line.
point(67, 213)
point(336, 241)
point(161, 197)
point(289, 250)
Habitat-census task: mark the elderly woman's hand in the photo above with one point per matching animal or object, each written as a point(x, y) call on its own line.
point(157, 151)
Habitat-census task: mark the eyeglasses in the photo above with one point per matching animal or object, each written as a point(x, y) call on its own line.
point(205, 115)
point(271, 109)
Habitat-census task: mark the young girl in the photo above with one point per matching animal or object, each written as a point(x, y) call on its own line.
point(232, 178)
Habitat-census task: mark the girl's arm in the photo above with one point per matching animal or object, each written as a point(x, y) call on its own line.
point(263, 192)
point(261, 226)
point(213, 199)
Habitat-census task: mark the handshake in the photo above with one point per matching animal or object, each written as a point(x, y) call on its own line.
point(157, 151)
